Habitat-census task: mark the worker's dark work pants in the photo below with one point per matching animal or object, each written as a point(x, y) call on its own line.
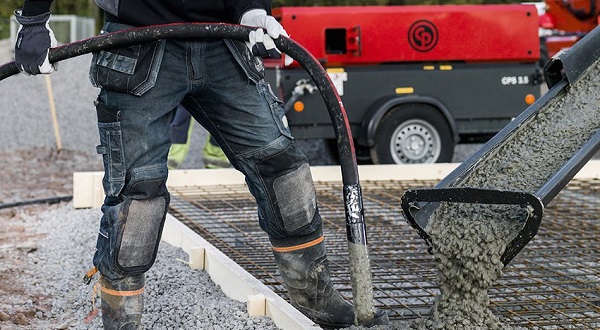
point(222, 86)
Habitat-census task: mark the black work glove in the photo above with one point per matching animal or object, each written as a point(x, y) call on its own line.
point(34, 39)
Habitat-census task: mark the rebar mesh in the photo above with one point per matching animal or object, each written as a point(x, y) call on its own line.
point(554, 283)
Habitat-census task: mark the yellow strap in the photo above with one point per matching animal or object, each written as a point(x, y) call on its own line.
point(91, 272)
point(95, 293)
point(94, 312)
point(300, 246)
point(122, 293)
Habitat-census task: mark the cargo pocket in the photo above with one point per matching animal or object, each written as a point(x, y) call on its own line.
point(252, 65)
point(111, 149)
point(131, 69)
point(254, 69)
point(276, 106)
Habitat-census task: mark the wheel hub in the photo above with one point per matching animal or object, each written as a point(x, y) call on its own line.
point(416, 141)
point(415, 144)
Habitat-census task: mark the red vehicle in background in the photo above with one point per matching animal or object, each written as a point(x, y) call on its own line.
point(415, 80)
point(564, 22)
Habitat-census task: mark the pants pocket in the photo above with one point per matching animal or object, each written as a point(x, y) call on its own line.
point(111, 149)
point(276, 106)
point(131, 69)
point(252, 65)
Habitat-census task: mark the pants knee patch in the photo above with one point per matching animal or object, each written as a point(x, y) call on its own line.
point(285, 191)
point(295, 193)
point(139, 234)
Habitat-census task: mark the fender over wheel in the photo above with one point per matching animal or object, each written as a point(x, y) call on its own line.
point(412, 134)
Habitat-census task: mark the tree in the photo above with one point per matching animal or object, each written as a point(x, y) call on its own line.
point(7, 7)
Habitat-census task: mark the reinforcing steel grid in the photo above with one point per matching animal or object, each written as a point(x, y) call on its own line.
point(554, 283)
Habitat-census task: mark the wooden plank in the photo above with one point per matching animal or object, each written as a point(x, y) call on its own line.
point(82, 189)
point(87, 186)
point(235, 281)
point(257, 305)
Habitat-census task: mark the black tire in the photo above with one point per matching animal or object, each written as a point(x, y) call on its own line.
point(317, 151)
point(412, 134)
point(363, 156)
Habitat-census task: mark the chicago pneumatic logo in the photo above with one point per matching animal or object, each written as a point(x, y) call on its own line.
point(422, 35)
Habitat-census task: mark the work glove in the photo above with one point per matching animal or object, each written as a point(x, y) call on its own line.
point(262, 44)
point(34, 39)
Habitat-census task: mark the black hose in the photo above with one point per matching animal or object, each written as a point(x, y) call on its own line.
point(580, 13)
point(229, 31)
point(50, 200)
point(355, 222)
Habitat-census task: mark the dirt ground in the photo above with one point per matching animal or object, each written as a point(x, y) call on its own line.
point(28, 175)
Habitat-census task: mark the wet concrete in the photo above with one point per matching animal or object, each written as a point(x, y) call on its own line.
point(361, 283)
point(468, 240)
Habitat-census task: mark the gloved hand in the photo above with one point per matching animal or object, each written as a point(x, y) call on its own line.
point(34, 39)
point(262, 44)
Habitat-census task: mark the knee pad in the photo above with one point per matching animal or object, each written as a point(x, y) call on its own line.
point(138, 235)
point(296, 197)
point(291, 191)
point(129, 236)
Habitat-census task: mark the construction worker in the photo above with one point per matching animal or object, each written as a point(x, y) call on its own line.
point(212, 154)
point(221, 84)
point(181, 132)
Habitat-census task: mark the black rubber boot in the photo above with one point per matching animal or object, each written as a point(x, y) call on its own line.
point(122, 302)
point(305, 274)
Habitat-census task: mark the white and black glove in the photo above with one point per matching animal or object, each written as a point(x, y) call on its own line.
point(262, 44)
point(34, 39)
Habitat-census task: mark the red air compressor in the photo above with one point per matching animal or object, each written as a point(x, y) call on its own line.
point(415, 80)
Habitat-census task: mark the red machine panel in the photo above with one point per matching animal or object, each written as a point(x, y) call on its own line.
point(574, 16)
point(378, 34)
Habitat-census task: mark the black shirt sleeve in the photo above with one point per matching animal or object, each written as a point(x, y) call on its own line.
point(239, 7)
point(36, 7)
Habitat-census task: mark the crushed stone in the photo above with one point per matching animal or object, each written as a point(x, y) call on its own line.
point(176, 297)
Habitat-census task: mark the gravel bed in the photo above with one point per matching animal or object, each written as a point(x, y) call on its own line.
point(59, 252)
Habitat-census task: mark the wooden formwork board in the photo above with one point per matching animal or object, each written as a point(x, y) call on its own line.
point(88, 192)
point(235, 281)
